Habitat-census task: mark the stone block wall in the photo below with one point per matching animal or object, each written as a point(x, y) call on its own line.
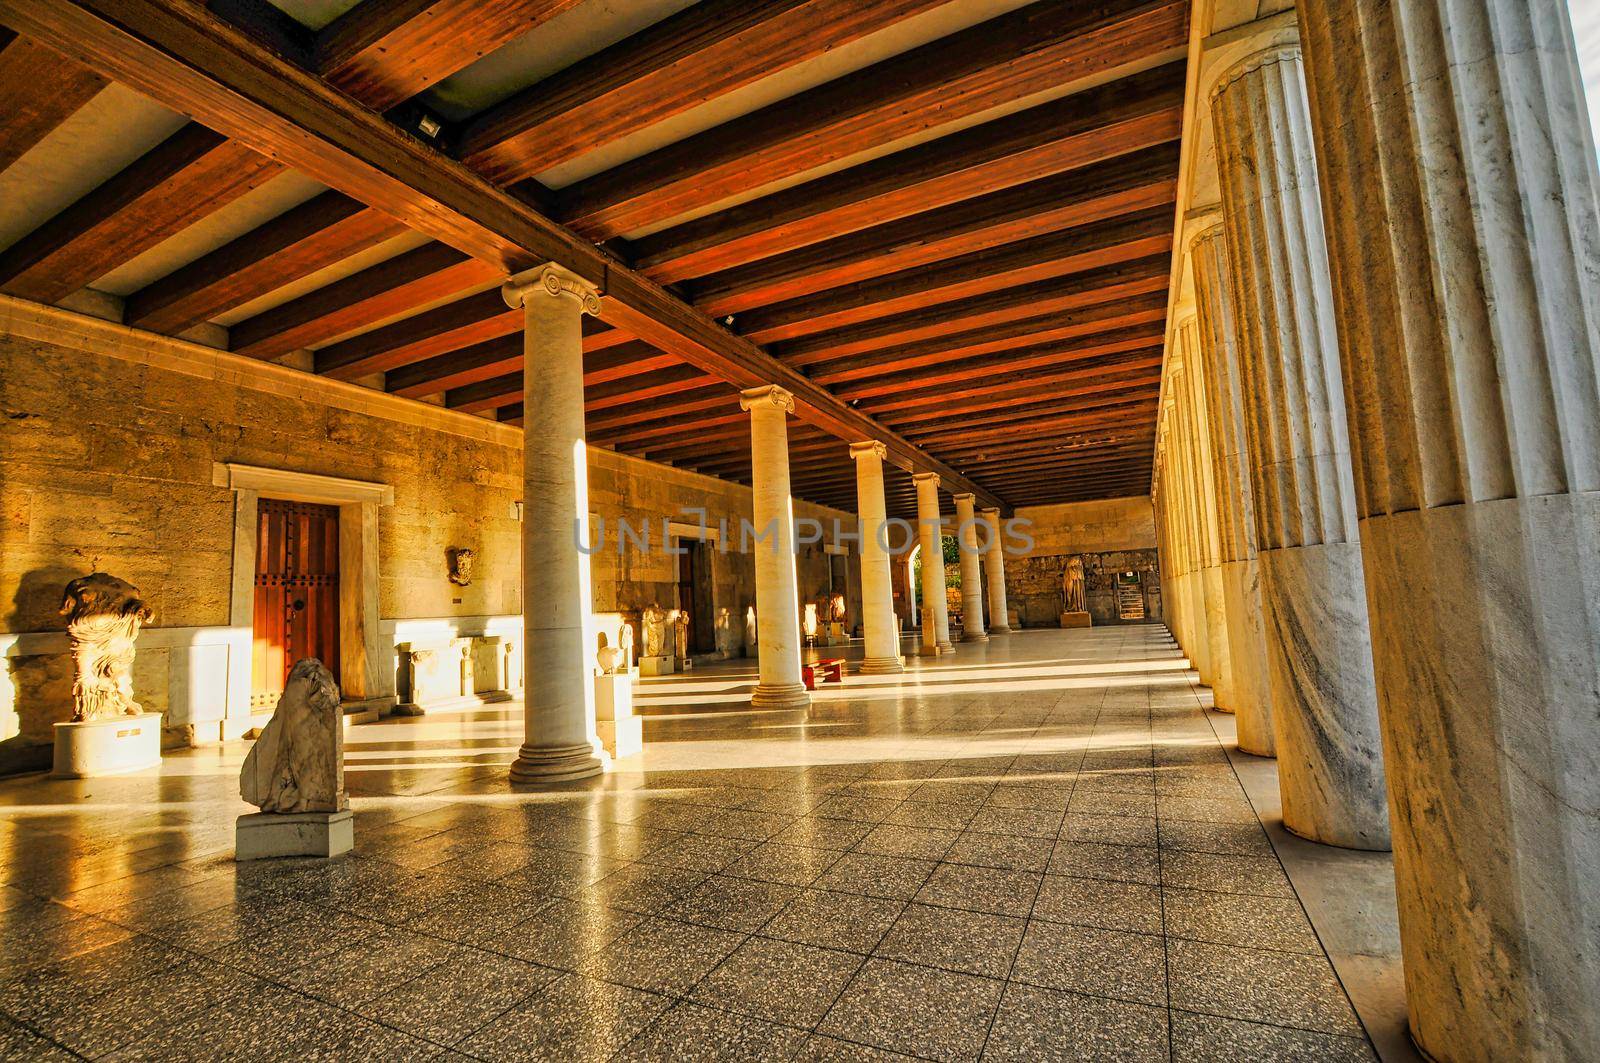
point(109, 439)
point(1111, 535)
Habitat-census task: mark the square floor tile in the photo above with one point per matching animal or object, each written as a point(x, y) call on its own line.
point(972, 942)
point(576, 1018)
point(780, 981)
point(1223, 873)
point(662, 955)
point(731, 903)
point(876, 876)
point(1035, 1024)
point(1207, 1038)
point(690, 1033)
point(938, 815)
point(847, 921)
point(1260, 922)
point(566, 933)
point(1119, 863)
point(1105, 963)
point(918, 843)
point(1279, 988)
point(981, 889)
point(368, 968)
point(447, 1002)
point(1128, 906)
point(791, 865)
point(1007, 851)
point(822, 833)
point(916, 1010)
point(1243, 839)
point(644, 888)
point(1110, 830)
point(558, 872)
point(1026, 822)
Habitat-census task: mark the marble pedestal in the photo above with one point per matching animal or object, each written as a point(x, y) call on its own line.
point(1325, 705)
point(619, 730)
point(657, 665)
point(1077, 619)
point(113, 746)
point(1247, 656)
point(263, 835)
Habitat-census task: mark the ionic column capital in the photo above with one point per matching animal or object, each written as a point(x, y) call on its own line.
point(966, 497)
point(991, 511)
point(920, 478)
point(553, 280)
point(1285, 51)
point(869, 447)
point(766, 395)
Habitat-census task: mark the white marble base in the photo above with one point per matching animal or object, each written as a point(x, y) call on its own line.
point(657, 665)
point(619, 730)
point(114, 746)
point(1325, 705)
point(1247, 657)
point(881, 666)
point(264, 835)
point(785, 696)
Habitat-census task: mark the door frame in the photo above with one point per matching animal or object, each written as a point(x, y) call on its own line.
point(366, 672)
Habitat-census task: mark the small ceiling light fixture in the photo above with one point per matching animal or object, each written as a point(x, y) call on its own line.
point(429, 126)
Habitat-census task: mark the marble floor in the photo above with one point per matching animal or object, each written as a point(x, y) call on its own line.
point(1036, 849)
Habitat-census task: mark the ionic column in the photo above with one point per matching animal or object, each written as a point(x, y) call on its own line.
point(1461, 187)
point(558, 707)
point(1236, 533)
point(994, 566)
point(929, 532)
point(1330, 763)
point(972, 629)
point(881, 632)
point(778, 684)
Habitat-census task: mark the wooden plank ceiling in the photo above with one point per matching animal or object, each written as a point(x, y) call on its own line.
point(945, 221)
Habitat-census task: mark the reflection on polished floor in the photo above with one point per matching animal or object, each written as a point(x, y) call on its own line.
point(1036, 849)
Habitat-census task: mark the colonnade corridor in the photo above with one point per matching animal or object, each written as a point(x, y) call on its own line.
point(1043, 846)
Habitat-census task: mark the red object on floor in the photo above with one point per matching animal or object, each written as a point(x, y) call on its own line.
point(832, 669)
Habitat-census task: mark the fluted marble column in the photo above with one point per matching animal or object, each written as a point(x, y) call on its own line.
point(972, 629)
point(1196, 636)
point(880, 630)
point(1330, 763)
point(1208, 570)
point(1461, 188)
point(929, 533)
point(558, 706)
point(778, 684)
point(994, 566)
point(1236, 533)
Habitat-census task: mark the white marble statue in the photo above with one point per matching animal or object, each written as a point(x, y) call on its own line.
point(654, 619)
point(680, 633)
point(625, 644)
point(1072, 586)
point(607, 657)
point(297, 765)
point(104, 615)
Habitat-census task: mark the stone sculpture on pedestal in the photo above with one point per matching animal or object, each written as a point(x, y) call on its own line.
point(656, 659)
point(295, 774)
point(680, 636)
point(619, 730)
point(1075, 611)
point(104, 615)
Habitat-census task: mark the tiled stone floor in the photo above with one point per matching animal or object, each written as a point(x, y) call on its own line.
point(1036, 851)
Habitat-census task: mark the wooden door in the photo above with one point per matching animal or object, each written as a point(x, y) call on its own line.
point(297, 593)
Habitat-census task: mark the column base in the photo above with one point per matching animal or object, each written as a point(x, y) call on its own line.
point(976, 636)
point(881, 666)
point(947, 647)
point(780, 696)
point(536, 765)
point(1000, 629)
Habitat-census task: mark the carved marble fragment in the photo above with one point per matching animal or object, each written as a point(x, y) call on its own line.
point(297, 765)
point(104, 615)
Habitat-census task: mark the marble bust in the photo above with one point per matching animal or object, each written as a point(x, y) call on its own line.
point(297, 765)
point(104, 615)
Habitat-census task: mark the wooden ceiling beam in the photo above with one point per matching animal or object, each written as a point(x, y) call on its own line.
point(39, 89)
point(1087, 127)
point(705, 51)
point(1086, 399)
point(385, 51)
point(312, 236)
point(184, 56)
point(1123, 281)
point(950, 376)
point(1032, 332)
point(1079, 197)
point(414, 278)
point(713, 397)
point(1019, 386)
point(155, 197)
point(1039, 47)
point(1089, 247)
point(1089, 381)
